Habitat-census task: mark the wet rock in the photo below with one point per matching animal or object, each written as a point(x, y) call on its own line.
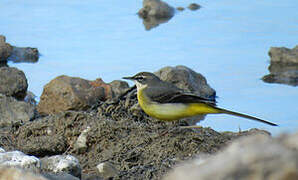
point(5, 49)
point(119, 87)
point(69, 93)
point(19, 159)
point(81, 143)
point(194, 6)
point(156, 8)
point(24, 54)
point(59, 176)
point(10, 173)
point(187, 79)
point(106, 170)
point(13, 82)
point(282, 73)
point(180, 8)
point(284, 55)
point(62, 163)
point(13, 112)
point(252, 157)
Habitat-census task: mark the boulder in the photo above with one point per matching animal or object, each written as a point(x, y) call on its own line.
point(253, 157)
point(13, 82)
point(5, 49)
point(71, 93)
point(187, 79)
point(156, 8)
point(10, 173)
point(119, 87)
point(19, 159)
point(13, 112)
point(62, 163)
point(284, 55)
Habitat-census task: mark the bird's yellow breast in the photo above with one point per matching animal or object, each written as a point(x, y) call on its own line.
point(172, 111)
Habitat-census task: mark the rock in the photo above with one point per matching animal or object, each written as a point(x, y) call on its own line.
point(156, 8)
point(19, 159)
point(9, 173)
point(5, 49)
point(81, 143)
point(13, 82)
point(155, 12)
point(252, 157)
point(119, 87)
point(194, 6)
point(62, 163)
point(30, 98)
point(13, 112)
point(180, 8)
point(282, 73)
point(59, 176)
point(2, 150)
point(106, 170)
point(284, 55)
point(70, 93)
point(23, 54)
point(187, 79)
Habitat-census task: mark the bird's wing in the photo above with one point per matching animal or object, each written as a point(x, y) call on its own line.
point(175, 95)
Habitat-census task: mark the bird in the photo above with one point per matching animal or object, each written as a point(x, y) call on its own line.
point(164, 101)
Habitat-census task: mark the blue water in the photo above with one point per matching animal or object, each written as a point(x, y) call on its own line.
point(227, 41)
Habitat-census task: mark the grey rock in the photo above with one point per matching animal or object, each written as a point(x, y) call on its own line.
point(10, 173)
point(19, 159)
point(251, 157)
point(59, 176)
point(13, 82)
point(107, 170)
point(62, 163)
point(5, 49)
point(156, 8)
point(119, 87)
point(13, 112)
point(194, 6)
point(30, 98)
point(23, 54)
point(70, 93)
point(187, 79)
point(284, 55)
point(81, 143)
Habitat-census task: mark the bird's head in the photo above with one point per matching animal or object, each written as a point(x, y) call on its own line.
point(143, 79)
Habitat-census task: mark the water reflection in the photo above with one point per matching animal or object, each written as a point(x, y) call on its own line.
point(282, 73)
point(23, 54)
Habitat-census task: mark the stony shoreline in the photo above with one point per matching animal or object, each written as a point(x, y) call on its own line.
point(84, 129)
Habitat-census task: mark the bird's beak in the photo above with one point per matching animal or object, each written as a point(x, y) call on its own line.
point(130, 78)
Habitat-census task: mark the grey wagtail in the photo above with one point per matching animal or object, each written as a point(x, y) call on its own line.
point(164, 101)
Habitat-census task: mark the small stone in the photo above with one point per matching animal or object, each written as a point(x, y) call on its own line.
point(81, 143)
point(194, 6)
point(180, 8)
point(107, 170)
point(62, 163)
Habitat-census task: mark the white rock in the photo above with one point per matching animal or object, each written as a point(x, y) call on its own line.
point(19, 159)
point(81, 143)
point(62, 163)
point(9, 173)
point(2, 150)
point(106, 170)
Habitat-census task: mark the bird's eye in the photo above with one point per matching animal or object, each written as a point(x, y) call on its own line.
point(140, 78)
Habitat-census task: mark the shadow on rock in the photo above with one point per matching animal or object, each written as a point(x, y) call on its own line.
point(283, 66)
point(155, 12)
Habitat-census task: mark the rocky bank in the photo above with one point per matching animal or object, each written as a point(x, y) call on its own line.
point(85, 129)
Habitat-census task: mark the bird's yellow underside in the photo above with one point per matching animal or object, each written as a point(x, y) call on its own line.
point(173, 111)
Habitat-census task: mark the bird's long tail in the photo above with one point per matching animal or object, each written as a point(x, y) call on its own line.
point(245, 116)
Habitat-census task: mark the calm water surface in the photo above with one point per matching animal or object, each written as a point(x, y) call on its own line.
point(227, 41)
